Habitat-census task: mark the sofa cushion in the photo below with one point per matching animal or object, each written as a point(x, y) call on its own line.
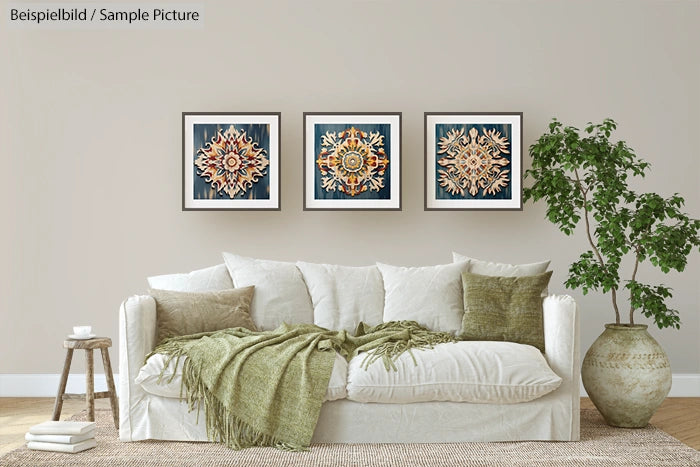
point(280, 291)
point(200, 280)
point(430, 295)
point(504, 308)
point(183, 313)
point(479, 372)
point(489, 268)
point(343, 296)
point(168, 385)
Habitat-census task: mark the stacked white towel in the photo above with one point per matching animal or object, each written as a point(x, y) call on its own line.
point(62, 436)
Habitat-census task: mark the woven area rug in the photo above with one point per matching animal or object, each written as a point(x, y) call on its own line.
point(600, 445)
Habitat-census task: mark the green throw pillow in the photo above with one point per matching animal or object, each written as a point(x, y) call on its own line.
point(183, 313)
point(504, 308)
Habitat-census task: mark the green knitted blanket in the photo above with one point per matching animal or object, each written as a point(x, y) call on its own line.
point(266, 388)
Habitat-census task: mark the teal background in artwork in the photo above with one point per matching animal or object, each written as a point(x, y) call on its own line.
point(203, 133)
point(384, 129)
point(441, 130)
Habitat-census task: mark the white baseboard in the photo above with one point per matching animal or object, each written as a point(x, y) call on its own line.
point(683, 385)
point(46, 385)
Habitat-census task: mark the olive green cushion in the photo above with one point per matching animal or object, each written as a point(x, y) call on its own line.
point(504, 308)
point(183, 313)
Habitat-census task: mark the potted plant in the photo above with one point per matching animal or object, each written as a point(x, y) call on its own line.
point(584, 176)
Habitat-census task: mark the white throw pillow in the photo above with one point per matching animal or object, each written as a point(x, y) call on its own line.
point(343, 296)
point(150, 374)
point(280, 292)
point(470, 371)
point(488, 268)
point(209, 279)
point(430, 295)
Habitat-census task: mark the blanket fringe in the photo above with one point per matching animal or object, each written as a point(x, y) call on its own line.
point(418, 338)
point(223, 426)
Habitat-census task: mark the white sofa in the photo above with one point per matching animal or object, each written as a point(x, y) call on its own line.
point(554, 416)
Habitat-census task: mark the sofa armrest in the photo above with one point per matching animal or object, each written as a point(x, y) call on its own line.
point(562, 348)
point(137, 335)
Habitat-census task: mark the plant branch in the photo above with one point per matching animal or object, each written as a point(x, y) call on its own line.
point(584, 193)
point(634, 276)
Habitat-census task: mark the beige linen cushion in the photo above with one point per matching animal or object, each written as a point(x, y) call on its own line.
point(343, 296)
point(430, 295)
point(183, 313)
point(504, 308)
point(200, 280)
point(280, 291)
point(478, 372)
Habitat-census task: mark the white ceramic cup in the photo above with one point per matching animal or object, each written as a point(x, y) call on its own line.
point(82, 331)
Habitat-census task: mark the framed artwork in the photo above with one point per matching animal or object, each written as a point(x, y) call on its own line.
point(473, 161)
point(230, 161)
point(352, 161)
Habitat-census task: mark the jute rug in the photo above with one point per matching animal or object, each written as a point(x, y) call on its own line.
point(600, 445)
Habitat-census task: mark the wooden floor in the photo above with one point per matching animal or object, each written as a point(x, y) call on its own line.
point(17, 414)
point(678, 416)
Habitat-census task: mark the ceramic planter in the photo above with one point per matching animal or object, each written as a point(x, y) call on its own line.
point(627, 375)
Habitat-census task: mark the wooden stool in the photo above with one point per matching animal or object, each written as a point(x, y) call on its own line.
point(88, 345)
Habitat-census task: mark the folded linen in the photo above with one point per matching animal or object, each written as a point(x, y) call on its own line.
point(60, 447)
point(62, 427)
point(61, 439)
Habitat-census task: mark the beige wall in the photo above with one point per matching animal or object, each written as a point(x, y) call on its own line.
point(91, 142)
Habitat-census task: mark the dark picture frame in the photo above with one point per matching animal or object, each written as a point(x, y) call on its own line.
point(473, 161)
point(352, 161)
point(231, 161)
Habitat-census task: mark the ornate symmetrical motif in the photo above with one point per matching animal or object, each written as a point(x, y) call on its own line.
point(232, 162)
point(472, 162)
point(352, 161)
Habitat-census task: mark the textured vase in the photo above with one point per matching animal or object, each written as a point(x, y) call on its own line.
point(627, 375)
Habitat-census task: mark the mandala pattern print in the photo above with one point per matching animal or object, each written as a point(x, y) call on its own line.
point(352, 161)
point(232, 162)
point(473, 162)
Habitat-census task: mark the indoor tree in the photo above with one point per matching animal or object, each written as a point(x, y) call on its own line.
point(584, 175)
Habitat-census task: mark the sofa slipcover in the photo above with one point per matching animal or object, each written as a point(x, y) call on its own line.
point(554, 416)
